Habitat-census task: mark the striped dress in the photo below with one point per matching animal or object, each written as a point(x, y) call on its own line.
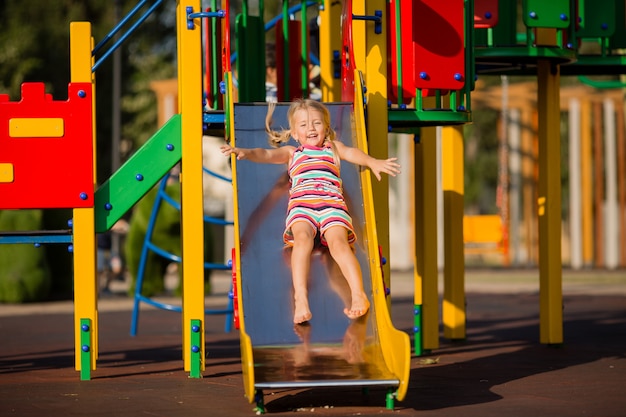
point(316, 194)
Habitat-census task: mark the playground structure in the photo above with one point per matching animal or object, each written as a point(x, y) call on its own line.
point(429, 80)
point(596, 119)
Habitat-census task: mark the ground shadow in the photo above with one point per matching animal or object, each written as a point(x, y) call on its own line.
point(502, 346)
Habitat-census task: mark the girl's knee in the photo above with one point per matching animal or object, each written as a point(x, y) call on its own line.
point(302, 231)
point(303, 240)
point(338, 246)
point(336, 237)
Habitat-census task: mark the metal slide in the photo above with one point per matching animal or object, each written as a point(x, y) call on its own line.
point(332, 350)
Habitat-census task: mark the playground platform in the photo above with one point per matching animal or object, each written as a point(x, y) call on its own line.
point(501, 369)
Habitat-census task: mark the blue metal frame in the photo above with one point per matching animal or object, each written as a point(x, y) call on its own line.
point(37, 237)
point(148, 246)
point(125, 36)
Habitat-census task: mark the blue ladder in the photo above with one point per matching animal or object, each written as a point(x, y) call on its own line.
point(148, 246)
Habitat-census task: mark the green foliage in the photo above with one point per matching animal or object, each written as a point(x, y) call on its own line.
point(150, 54)
point(34, 47)
point(28, 273)
point(34, 41)
point(24, 272)
point(58, 258)
point(481, 162)
point(166, 236)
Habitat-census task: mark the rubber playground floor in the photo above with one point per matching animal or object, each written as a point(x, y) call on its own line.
point(500, 369)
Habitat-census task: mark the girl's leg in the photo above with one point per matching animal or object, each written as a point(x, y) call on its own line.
point(303, 235)
point(336, 279)
point(341, 251)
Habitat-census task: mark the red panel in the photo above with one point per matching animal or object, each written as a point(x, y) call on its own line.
point(49, 172)
point(295, 61)
point(225, 33)
point(214, 98)
point(485, 13)
point(438, 44)
point(347, 53)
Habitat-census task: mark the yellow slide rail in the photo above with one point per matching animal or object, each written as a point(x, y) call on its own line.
point(395, 344)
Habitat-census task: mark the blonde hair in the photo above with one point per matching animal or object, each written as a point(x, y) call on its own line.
point(277, 137)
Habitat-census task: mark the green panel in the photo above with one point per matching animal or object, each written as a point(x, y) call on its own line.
point(481, 36)
point(618, 40)
point(505, 32)
point(597, 18)
point(85, 349)
point(196, 349)
point(250, 44)
point(410, 120)
point(138, 175)
point(417, 330)
point(547, 13)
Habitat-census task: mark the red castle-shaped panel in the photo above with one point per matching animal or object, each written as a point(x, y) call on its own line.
point(46, 149)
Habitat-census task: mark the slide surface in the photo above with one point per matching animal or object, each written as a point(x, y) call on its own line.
point(331, 350)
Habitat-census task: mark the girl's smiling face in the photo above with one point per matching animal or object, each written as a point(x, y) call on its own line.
point(309, 127)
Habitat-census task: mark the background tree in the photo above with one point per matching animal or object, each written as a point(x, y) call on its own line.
point(34, 47)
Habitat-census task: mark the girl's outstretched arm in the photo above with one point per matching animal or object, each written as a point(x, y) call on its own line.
point(377, 166)
point(280, 155)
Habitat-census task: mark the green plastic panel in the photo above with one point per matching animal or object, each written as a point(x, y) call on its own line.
point(85, 349)
point(618, 40)
point(546, 13)
point(138, 175)
point(250, 44)
point(197, 350)
point(597, 18)
point(411, 120)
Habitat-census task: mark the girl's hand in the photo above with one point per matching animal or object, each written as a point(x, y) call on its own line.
point(388, 166)
point(226, 150)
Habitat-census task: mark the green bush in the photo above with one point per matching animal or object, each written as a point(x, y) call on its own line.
point(166, 235)
point(24, 271)
point(58, 258)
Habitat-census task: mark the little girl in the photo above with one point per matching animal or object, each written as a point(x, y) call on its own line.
point(316, 202)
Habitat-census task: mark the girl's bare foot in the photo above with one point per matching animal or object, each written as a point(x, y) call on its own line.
point(354, 341)
point(301, 353)
point(360, 306)
point(302, 312)
point(303, 331)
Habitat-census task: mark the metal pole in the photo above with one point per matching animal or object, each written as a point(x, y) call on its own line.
point(116, 120)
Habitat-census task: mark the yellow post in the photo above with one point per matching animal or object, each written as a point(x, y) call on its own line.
point(549, 204)
point(84, 235)
point(330, 41)
point(192, 223)
point(370, 50)
point(453, 310)
point(426, 271)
